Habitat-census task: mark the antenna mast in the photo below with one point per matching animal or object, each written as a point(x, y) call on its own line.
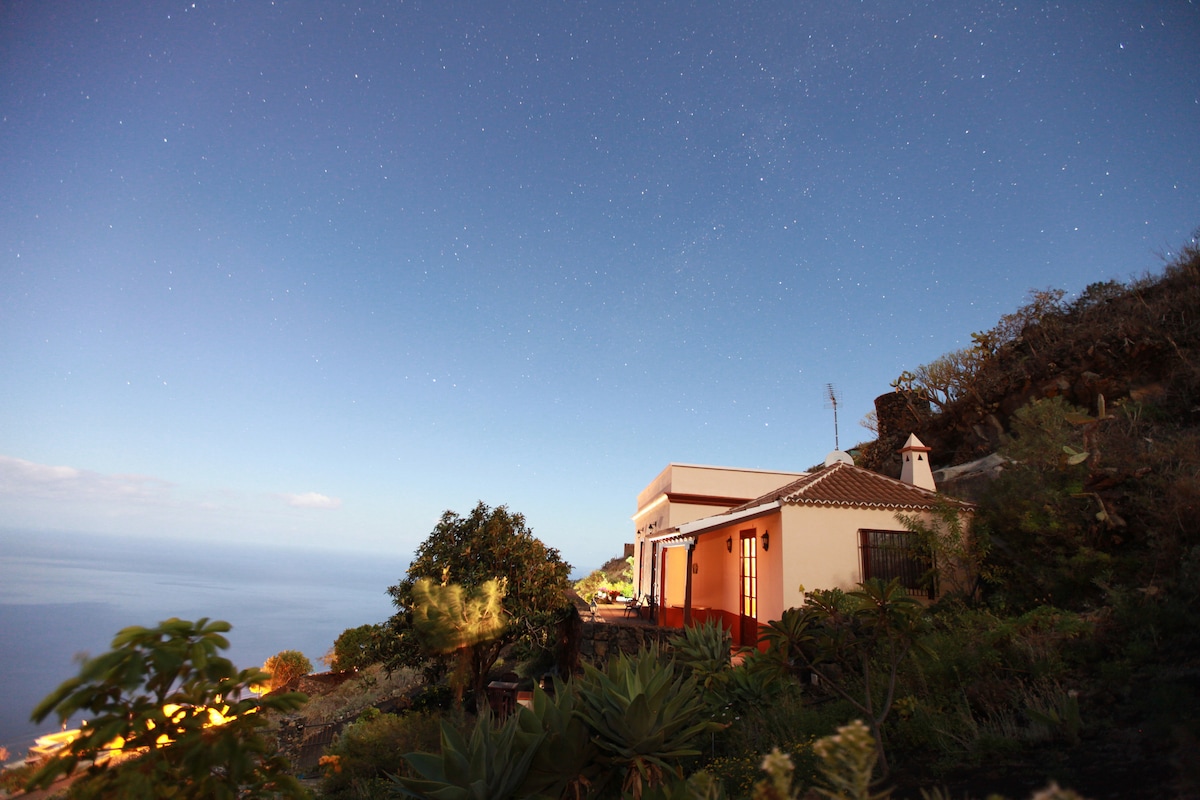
point(833, 396)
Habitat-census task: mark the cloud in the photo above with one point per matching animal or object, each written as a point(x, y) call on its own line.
point(29, 479)
point(312, 500)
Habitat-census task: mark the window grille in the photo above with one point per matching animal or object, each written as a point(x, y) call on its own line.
point(888, 555)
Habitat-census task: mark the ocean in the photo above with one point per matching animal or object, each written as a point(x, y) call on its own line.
point(62, 595)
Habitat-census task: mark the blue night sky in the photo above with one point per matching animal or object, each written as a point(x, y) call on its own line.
point(312, 273)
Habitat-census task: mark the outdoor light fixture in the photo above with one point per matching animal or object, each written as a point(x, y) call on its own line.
point(729, 544)
point(766, 540)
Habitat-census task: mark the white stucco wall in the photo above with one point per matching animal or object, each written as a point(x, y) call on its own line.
point(821, 548)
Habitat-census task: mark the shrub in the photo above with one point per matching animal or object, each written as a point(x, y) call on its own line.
point(284, 667)
point(367, 752)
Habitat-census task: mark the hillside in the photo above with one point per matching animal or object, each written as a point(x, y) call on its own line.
point(1137, 342)
point(1093, 405)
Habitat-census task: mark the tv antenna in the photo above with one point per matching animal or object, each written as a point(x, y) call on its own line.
point(834, 399)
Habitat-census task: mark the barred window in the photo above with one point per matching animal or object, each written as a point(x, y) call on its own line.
point(892, 554)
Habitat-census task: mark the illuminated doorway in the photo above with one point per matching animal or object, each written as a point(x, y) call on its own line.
point(749, 570)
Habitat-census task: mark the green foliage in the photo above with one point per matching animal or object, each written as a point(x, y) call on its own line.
point(625, 728)
point(854, 642)
point(957, 552)
point(284, 667)
point(354, 648)
point(703, 651)
point(566, 763)
point(786, 722)
point(490, 765)
point(1048, 533)
point(644, 717)
point(369, 751)
point(1039, 432)
point(151, 700)
point(543, 751)
point(488, 544)
point(616, 575)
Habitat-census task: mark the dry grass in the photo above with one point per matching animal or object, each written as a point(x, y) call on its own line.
point(373, 686)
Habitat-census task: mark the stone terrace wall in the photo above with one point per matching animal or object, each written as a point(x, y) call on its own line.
point(603, 639)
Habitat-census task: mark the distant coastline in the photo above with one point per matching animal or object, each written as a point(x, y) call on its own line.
point(68, 593)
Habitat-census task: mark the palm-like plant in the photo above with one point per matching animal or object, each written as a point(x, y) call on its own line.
point(875, 626)
point(451, 620)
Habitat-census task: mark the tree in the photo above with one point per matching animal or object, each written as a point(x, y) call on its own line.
point(285, 666)
point(488, 544)
point(946, 379)
point(354, 648)
point(168, 720)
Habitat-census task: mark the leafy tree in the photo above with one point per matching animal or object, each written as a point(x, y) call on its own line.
point(167, 720)
point(285, 666)
point(354, 648)
point(487, 544)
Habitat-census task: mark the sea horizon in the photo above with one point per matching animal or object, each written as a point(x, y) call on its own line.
point(67, 594)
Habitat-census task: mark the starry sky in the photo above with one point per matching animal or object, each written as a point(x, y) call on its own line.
point(310, 273)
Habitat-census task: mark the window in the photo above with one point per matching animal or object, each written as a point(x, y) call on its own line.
point(892, 554)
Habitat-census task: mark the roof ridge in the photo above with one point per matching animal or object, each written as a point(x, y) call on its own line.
point(818, 477)
point(850, 484)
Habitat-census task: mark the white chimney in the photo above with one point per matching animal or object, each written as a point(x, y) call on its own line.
point(916, 469)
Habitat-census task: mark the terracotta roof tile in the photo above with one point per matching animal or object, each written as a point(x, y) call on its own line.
point(848, 485)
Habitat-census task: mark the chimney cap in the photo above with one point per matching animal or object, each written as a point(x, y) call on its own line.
point(914, 444)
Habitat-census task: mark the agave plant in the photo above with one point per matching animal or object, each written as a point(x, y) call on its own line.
point(644, 716)
point(703, 652)
point(539, 752)
point(492, 764)
point(566, 761)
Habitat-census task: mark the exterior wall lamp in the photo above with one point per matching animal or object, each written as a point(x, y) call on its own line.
point(729, 544)
point(766, 541)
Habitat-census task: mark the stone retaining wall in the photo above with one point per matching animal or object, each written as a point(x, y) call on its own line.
point(600, 640)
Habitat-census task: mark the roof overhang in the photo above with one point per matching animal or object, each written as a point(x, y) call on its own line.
point(699, 526)
point(672, 538)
